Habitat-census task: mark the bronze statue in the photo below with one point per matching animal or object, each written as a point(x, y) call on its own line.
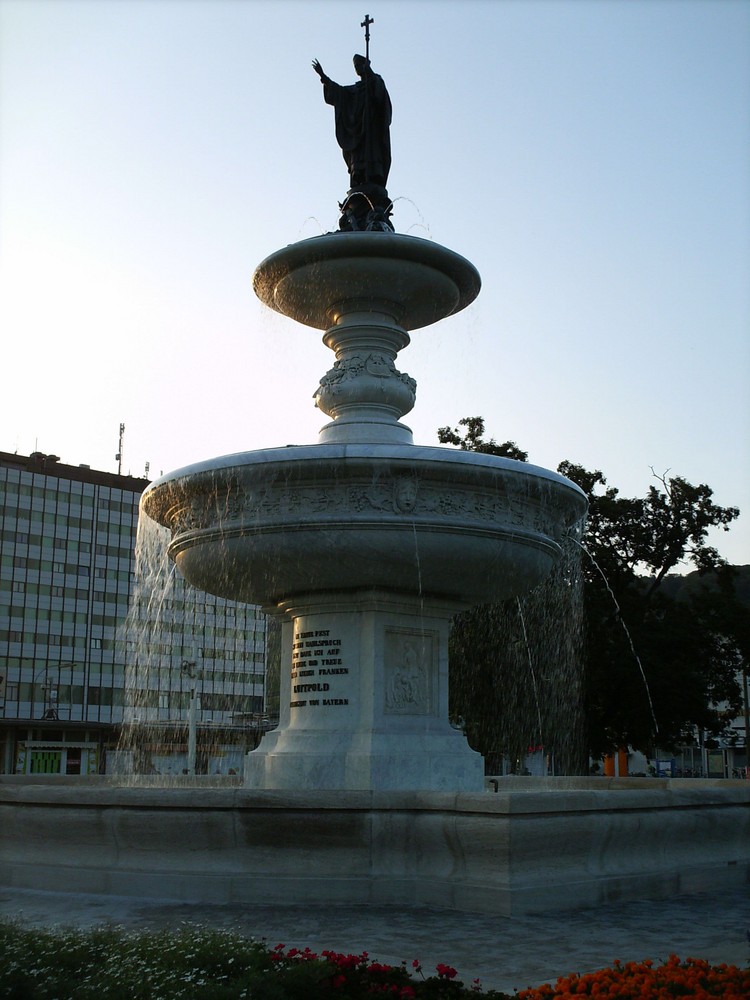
point(363, 118)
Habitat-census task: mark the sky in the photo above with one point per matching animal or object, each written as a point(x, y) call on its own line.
point(590, 157)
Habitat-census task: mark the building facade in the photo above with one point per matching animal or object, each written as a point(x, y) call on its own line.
point(88, 651)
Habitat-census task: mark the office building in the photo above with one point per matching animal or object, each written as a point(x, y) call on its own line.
point(74, 666)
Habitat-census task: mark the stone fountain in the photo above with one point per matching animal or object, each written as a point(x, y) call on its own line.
point(365, 545)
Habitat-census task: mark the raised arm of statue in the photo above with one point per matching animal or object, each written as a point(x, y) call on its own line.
point(319, 70)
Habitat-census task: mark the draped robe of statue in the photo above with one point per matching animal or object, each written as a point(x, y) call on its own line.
point(352, 109)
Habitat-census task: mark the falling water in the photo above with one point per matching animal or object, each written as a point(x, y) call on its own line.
point(311, 219)
point(517, 666)
point(421, 224)
point(626, 630)
point(181, 644)
point(519, 605)
point(418, 564)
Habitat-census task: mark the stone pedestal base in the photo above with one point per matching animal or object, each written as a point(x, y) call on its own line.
point(364, 700)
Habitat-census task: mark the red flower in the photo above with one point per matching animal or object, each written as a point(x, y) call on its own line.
point(445, 971)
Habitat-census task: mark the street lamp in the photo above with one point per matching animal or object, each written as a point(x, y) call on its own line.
point(51, 690)
point(189, 668)
point(48, 714)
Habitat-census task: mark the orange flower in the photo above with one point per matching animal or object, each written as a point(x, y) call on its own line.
point(642, 980)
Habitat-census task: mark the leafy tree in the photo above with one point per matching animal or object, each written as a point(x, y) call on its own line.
point(515, 680)
point(473, 440)
point(651, 667)
point(685, 666)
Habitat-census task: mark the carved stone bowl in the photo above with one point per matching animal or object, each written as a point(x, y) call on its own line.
point(316, 281)
point(264, 526)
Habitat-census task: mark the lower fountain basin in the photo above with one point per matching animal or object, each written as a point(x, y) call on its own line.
point(538, 845)
point(263, 526)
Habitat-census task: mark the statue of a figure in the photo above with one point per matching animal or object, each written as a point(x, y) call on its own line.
point(363, 118)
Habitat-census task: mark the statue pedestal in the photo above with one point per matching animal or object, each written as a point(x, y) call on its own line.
point(365, 704)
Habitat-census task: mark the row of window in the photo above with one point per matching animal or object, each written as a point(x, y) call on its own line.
point(75, 641)
point(62, 521)
point(115, 696)
point(206, 606)
point(34, 613)
point(24, 692)
point(55, 566)
point(81, 493)
point(181, 596)
point(43, 589)
point(187, 651)
point(19, 535)
point(235, 633)
point(50, 639)
point(48, 615)
point(163, 649)
point(62, 694)
point(166, 677)
point(208, 702)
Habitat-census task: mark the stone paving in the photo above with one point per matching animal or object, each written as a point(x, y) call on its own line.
point(504, 953)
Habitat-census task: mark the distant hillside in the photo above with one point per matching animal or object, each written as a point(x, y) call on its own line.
point(681, 587)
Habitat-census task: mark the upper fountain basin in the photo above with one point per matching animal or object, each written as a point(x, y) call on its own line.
point(264, 526)
point(415, 281)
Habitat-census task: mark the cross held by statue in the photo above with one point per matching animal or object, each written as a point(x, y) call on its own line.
point(366, 25)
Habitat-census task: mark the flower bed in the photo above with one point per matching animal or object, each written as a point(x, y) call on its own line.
point(197, 963)
point(648, 981)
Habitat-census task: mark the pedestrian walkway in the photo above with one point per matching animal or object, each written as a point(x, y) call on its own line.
point(504, 953)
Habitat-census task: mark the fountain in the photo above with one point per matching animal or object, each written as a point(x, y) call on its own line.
point(365, 545)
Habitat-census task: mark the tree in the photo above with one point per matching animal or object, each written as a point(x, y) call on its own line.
point(654, 668)
point(651, 668)
point(473, 440)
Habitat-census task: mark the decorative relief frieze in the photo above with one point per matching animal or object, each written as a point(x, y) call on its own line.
point(404, 494)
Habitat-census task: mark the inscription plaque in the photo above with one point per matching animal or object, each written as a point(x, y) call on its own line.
point(317, 670)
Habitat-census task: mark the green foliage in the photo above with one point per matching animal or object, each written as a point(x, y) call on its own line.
point(653, 667)
point(198, 963)
point(473, 440)
point(515, 679)
point(684, 648)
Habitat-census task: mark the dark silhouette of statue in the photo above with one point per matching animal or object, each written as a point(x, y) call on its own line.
point(363, 119)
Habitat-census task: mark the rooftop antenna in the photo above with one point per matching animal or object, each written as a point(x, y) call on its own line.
point(147, 470)
point(118, 456)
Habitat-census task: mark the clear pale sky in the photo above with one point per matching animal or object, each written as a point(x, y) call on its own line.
point(591, 157)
